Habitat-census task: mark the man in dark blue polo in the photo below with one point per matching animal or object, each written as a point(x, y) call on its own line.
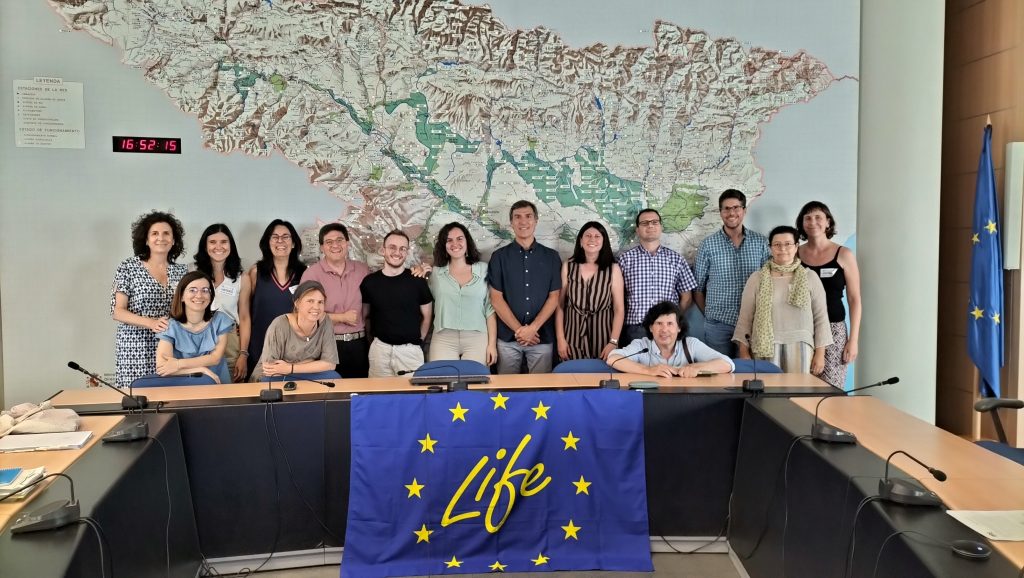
point(525, 278)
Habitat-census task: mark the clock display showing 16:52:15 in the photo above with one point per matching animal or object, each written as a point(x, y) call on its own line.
point(147, 144)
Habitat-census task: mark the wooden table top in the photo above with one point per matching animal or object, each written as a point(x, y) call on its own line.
point(307, 390)
point(977, 479)
point(54, 461)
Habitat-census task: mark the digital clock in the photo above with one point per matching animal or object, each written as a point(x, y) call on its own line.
point(147, 144)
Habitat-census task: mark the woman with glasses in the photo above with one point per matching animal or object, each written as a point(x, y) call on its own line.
point(196, 335)
point(141, 294)
point(218, 258)
point(783, 311)
point(272, 280)
point(836, 266)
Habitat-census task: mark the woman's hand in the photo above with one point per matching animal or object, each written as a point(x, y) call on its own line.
point(157, 324)
point(608, 348)
point(422, 270)
point(167, 366)
point(240, 369)
point(850, 352)
point(661, 370)
point(492, 355)
point(212, 375)
point(563, 349)
point(278, 367)
point(818, 361)
point(687, 371)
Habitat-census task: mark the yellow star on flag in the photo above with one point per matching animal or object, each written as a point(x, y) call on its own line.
point(458, 412)
point(498, 566)
point(571, 530)
point(499, 401)
point(991, 227)
point(570, 441)
point(423, 534)
point(978, 313)
point(453, 563)
point(974, 239)
point(541, 410)
point(995, 317)
point(581, 486)
point(414, 488)
point(428, 444)
point(540, 560)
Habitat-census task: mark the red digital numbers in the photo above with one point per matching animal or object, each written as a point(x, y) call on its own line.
point(127, 144)
point(135, 144)
point(171, 146)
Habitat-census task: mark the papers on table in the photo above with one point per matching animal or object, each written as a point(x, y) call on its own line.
point(994, 525)
point(45, 441)
point(23, 479)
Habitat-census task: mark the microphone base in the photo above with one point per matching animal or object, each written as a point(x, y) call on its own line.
point(906, 492)
point(134, 402)
point(823, 432)
point(458, 386)
point(49, 517)
point(610, 384)
point(271, 395)
point(128, 432)
point(753, 385)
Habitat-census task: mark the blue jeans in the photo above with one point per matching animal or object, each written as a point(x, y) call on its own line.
point(718, 336)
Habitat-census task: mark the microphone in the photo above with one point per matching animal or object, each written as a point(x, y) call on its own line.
point(752, 385)
point(323, 383)
point(457, 385)
point(822, 431)
point(901, 491)
point(611, 382)
point(126, 431)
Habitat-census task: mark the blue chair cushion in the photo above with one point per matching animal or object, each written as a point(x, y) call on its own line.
point(154, 380)
point(446, 367)
point(1008, 452)
point(300, 376)
point(584, 366)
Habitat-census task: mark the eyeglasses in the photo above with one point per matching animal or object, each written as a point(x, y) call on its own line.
point(338, 241)
point(732, 209)
point(281, 238)
point(783, 246)
point(198, 290)
point(397, 249)
point(650, 223)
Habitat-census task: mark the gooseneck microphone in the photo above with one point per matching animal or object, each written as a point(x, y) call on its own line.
point(901, 491)
point(611, 382)
point(126, 431)
point(752, 385)
point(822, 431)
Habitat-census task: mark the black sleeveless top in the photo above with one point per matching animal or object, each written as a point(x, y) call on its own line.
point(833, 278)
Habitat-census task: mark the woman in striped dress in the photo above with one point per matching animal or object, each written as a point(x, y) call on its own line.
point(591, 307)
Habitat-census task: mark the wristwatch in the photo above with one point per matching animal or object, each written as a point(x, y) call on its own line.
point(613, 341)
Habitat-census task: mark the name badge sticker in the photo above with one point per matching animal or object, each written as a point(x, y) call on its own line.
point(828, 272)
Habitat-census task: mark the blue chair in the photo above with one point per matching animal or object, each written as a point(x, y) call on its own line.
point(448, 367)
point(1001, 447)
point(748, 366)
point(320, 375)
point(584, 366)
point(154, 380)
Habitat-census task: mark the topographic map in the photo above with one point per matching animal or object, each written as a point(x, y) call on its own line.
point(416, 113)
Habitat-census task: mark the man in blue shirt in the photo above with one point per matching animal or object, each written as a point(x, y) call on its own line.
point(525, 278)
point(725, 259)
point(652, 273)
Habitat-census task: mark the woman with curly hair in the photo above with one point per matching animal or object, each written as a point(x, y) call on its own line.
point(140, 298)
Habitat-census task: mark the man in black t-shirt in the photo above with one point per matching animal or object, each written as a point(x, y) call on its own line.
point(397, 308)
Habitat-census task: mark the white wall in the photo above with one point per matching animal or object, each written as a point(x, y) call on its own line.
point(898, 197)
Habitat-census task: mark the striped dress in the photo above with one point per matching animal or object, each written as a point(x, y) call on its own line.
point(588, 312)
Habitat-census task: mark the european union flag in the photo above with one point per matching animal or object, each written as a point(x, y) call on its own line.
point(474, 482)
point(984, 325)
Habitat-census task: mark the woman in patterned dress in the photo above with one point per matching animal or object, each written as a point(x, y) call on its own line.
point(591, 306)
point(140, 299)
point(836, 266)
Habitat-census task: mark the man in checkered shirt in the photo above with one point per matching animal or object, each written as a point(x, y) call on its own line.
point(652, 274)
point(725, 259)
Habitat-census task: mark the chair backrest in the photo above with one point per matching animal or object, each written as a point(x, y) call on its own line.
point(452, 367)
point(300, 376)
point(584, 366)
point(762, 366)
point(154, 380)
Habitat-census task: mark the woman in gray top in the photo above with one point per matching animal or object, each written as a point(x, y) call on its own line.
point(300, 341)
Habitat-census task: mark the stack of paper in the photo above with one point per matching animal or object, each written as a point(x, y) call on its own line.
point(44, 441)
point(23, 479)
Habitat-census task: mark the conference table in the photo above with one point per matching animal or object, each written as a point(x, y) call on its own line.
point(274, 477)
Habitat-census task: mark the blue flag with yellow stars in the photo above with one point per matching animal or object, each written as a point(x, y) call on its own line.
point(984, 323)
point(480, 482)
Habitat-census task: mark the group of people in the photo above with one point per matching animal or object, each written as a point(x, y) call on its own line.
point(763, 297)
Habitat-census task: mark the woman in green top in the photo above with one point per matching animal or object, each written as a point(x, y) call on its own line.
point(464, 323)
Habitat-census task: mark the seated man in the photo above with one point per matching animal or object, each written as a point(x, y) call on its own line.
point(669, 352)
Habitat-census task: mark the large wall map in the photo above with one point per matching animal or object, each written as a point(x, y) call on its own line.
point(416, 113)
